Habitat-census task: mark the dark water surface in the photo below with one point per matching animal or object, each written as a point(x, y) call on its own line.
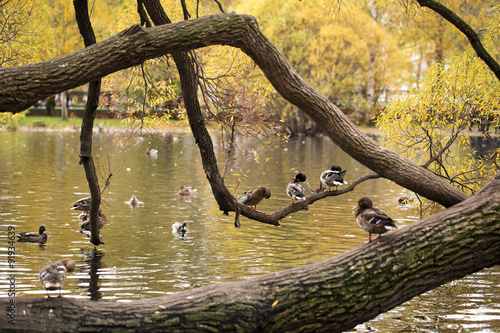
point(40, 177)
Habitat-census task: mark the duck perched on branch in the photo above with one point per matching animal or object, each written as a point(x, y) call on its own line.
point(53, 275)
point(39, 237)
point(253, 197)
point(373, 220)
point(333, 177)
point(295, 190)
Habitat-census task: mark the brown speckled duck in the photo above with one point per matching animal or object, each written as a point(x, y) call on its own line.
point(35, 237)
point(253, 197)
point(84, 205)
point(53, 275)
point(186, 190)
point(373, 220)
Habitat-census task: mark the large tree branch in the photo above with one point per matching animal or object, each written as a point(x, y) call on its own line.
point(466, 29)
point(22, 86)
point(329, 296)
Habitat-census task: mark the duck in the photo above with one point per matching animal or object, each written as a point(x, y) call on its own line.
point(333, 177)
point(88, 234)
point(53, 275)
point(133, 202)
point(40, 236)
point(406, 200)
point(373, 220)
point(178, 228)
point(152, 152)
point(295, 190)
point(185, 190)
point(253, 197)
point(84, 205)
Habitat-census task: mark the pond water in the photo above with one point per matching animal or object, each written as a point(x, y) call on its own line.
point(40, 177)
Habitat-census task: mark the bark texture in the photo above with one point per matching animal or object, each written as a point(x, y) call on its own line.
point(24, 85)
point(329, 296)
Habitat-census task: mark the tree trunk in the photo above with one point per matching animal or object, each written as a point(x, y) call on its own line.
point(83, 20)
point(23, 85)
point(329, 296)
point(63, 98)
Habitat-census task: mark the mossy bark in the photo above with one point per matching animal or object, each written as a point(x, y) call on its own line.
point(329, 296)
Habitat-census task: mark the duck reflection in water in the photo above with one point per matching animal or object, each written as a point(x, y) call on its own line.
point(93, 260)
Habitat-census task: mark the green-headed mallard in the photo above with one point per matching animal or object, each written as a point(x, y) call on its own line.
point(373, 220)
point(178, 228)
point(295, 190)
point(40, 236)
point(253, 197)
point(52, 276)
point(333, 177)
point(186, 191)
point(84, 205)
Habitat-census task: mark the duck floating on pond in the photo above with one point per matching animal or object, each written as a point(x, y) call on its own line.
point(373, 220)
point(35, 237)
point(333, 177)
point(133, 202)
point(53, 275)
point(186, 190)
point(253, 197)
point(178, 228)
point(152, 152)
point(295, 190)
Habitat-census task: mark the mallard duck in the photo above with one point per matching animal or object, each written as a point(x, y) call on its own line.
point(39, 236)
point(133, 202)
point(178, 228)
point(52, 276)
point(84, 204)
point(253, 197)
point(152, 152)
point(333, 177)
point(185, 190)
point(373, 220)
point(295, 190)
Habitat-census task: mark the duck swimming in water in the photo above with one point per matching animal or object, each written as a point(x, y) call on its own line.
point(38, 237)
point(186, 190)
point(178, 228)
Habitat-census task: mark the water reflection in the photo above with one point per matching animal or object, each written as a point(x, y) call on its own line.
point(92, 265)
point(142, 258)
